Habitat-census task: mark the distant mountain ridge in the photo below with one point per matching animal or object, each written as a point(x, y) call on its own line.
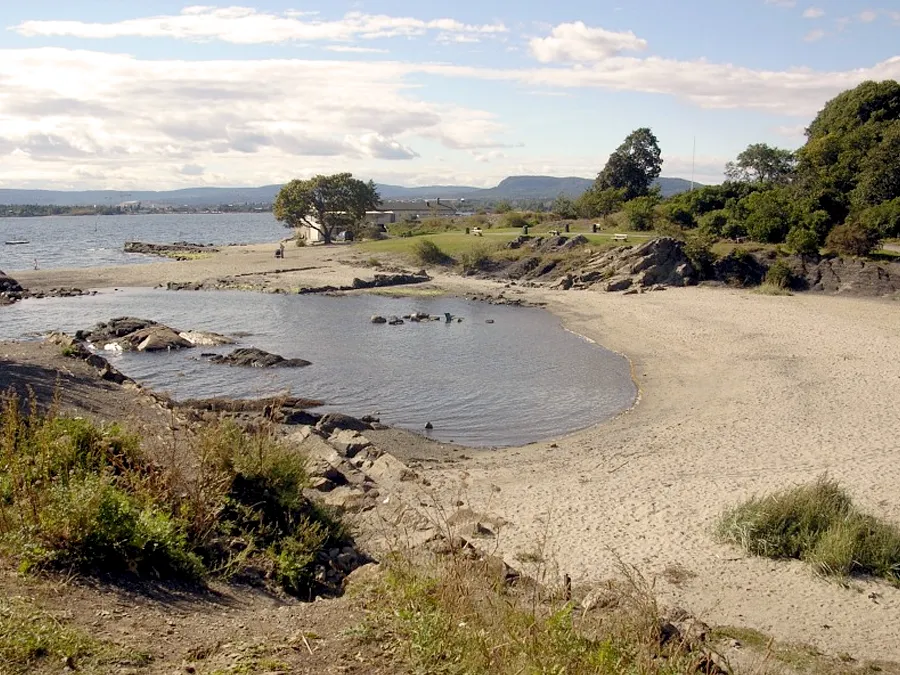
point(513, 187)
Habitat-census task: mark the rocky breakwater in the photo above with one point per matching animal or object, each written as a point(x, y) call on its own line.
point(180, 250)
point(655, 264)
point(144, 335)
point(10, 289)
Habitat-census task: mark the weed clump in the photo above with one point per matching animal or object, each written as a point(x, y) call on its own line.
point(81, 497)
point(819, 524)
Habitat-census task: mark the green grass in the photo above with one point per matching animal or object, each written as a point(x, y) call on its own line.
point(768, 288)
point(819, 524)
point(457, 617)
point(79, 497)
point(32, 641)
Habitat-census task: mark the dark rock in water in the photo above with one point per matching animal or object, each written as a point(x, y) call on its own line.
point(378, 319)
point(429, 425)
point(395, 321)
point(257, 358)
point(382, 280)
point(114, 329)
point(332, 421)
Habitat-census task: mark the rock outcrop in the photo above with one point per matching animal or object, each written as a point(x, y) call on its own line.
point(10, 289)
point(251, 357)
point(656, 263)
point(847, 276)
point(127, 333)
point(175, 250)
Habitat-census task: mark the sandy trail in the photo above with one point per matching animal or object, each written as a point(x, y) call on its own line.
point(741, 394)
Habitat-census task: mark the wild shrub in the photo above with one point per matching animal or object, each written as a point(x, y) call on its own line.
point(515, 219)
point(476, 259)
point(819, 524)
point(854, 238)
point(427, 252)
point(82, 497)
point(780, 275)
point(803, 241)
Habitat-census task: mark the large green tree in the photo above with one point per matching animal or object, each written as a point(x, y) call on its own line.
point(762, 163)
point(327, 204)
point(851, 154)
point(633, 166)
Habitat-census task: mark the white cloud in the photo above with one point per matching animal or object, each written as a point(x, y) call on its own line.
point(813, 13)
point(868, 15)
point(814, 35)
point(379, 147)
point(576, 42)
point(243, 25)
point(350, 49)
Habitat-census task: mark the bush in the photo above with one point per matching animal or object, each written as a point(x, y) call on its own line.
point(641, 213)
point(803, 241)
point(514, 219)
point(80, 497)
point(698, 249)
point(476, 259)
point(819, 524)
point(779, 275)
point(854, 238)
point(429, 253)
point(714, 222)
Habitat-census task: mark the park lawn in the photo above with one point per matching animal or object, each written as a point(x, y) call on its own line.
point(458, 242)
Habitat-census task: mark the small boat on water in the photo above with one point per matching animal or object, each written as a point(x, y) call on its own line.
point(16, 242)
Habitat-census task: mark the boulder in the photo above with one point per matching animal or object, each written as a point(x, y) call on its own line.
point(205, 339)
point(114, 329)
point(155, 338)
point(348, 442)
point(378, 319)
point(251, 357)
point(10, 289)
point(331, 421)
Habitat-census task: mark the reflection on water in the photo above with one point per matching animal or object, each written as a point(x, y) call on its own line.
point(519, 379)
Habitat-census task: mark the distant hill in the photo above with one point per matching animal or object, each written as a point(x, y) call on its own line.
point(512, 188)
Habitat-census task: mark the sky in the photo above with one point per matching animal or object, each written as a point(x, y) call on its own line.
point(119, 94)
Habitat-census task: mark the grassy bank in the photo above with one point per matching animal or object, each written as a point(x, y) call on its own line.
point(79, 497)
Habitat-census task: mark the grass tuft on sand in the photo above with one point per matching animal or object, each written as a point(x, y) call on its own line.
point(819, 524)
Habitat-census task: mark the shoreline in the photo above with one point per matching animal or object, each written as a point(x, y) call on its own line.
point(738, 394)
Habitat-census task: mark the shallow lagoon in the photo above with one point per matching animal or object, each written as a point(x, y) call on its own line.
point(520, 379)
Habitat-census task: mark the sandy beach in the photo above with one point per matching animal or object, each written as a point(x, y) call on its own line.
point(740, 394)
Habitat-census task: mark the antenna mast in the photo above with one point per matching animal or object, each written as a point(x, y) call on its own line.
point(693, 161)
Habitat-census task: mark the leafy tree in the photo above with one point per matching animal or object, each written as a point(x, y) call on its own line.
point(641, 212)
point(596, 203)
point(851, 149)
point(762, 163)
point(853, 238)
point(767, 216)
point(326, 204)
point(633, 166)
point(885, 218)
point(564, 207)
point(714, 223)
point(503, 206)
